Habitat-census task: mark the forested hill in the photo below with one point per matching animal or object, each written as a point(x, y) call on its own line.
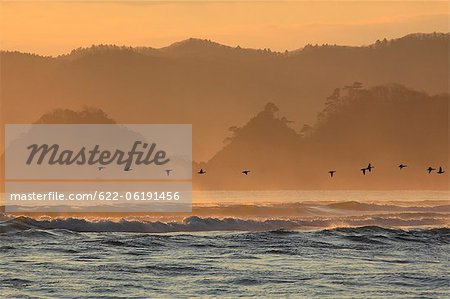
point(385, 125)
point(210, 85)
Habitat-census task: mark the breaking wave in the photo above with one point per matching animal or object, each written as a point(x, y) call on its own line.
point(261, 217)
point(197, 224)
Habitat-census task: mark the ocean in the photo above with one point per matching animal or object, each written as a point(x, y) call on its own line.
point(394, 246)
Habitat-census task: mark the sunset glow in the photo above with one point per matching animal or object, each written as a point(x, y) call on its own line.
point(53, 28)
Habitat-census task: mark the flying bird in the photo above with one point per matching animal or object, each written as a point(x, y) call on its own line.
point(430, 169)
point(369, 167)
point(246, 172)
point(331, 172)
point(364, 170)
point(201, 171)
point(440, 171)
point(168, 171)
point(401, 166)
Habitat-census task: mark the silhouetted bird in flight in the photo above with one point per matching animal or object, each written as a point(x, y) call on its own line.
point(369, 167)
point(331, 172)
point(430, 169)
point(401, 166)
point(364, 170)
point(440, 171)
point(168, 171)
point(246, 172)
point(201, 171)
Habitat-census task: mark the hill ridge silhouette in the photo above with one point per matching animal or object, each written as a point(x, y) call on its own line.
point(194, 43)
point(215, 89)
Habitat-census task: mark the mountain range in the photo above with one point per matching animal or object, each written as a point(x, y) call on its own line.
point(210, 85)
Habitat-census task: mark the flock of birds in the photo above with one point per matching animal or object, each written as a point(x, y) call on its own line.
point(363, 170)
point(401, 166)
point(331, 172)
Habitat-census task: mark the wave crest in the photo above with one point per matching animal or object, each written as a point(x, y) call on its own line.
point(196, 224)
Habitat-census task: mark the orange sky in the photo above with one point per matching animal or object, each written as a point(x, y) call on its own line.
point(52, 28)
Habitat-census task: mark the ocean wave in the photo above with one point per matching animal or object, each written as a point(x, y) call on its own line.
point(294, 209)
point(199, 224)
point(406, 207)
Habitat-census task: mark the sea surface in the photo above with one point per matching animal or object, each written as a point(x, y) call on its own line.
point(367, 247)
